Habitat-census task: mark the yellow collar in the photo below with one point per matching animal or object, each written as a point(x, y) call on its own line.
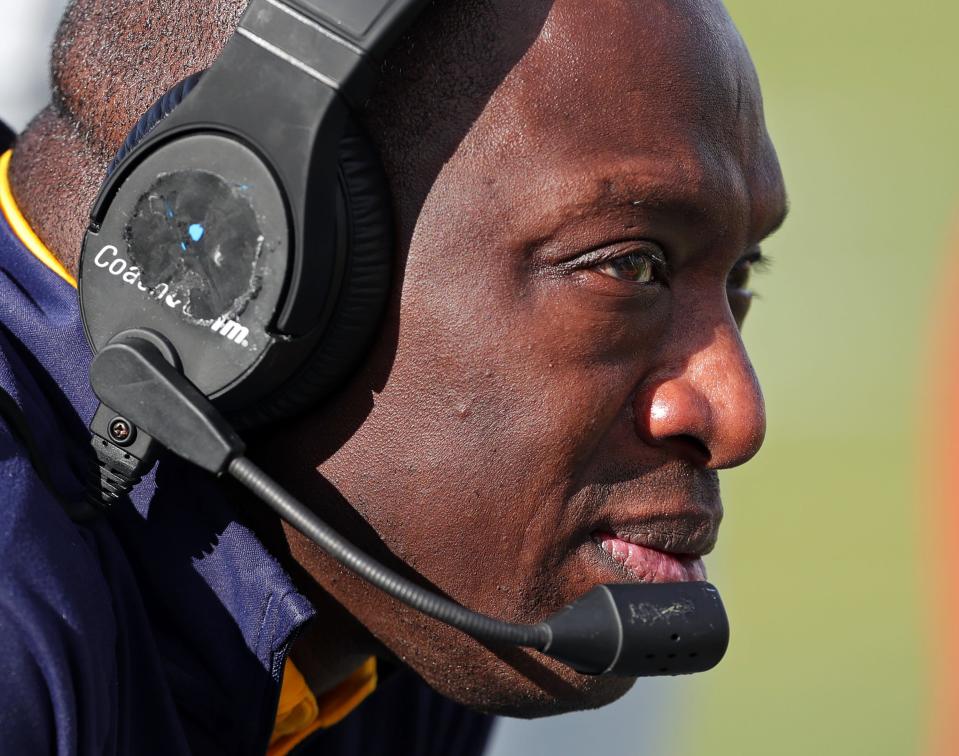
point(21, 227)
point(300, 713)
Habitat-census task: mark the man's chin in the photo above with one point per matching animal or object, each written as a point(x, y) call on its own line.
point(528, 688)
point(596, 693)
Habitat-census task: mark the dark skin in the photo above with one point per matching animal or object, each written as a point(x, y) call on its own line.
point(562, 356)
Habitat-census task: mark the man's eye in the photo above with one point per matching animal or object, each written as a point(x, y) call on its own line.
point(739, 276)
point(636, 267)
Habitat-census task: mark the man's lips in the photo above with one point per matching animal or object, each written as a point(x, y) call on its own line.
point(651, 565)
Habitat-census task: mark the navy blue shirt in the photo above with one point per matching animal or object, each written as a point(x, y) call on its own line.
point(163, 628)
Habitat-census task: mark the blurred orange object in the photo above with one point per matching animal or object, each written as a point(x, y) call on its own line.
point(940, 461)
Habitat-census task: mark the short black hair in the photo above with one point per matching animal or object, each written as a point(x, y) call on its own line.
point(112, 59)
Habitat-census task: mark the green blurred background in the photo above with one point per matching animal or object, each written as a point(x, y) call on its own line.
point(821, 558)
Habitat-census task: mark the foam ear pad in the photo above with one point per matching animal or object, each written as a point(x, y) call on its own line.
point(365, 226)
point(157, 112)
point(366, 218)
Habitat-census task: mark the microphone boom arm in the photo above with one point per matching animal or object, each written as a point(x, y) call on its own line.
point(630, 629)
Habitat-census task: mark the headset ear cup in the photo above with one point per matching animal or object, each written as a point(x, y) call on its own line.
point(368, 221)
point(157, 112)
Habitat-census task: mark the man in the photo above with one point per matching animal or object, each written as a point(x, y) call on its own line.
point(580, 194)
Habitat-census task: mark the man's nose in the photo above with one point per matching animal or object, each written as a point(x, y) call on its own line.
point(708, 410)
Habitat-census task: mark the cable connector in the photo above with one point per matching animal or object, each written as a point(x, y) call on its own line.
point(122, 455)
point(138, 373)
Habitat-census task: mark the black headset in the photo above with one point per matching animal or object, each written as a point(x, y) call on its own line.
point(235, 269)
point(247, 218)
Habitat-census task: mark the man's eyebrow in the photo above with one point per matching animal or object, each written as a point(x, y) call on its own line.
point(662, 197)
point(653, 194)
point(662, 193)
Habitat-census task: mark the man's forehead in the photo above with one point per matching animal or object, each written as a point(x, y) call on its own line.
point(658, 98)
point(682, 28)
point(679, 61)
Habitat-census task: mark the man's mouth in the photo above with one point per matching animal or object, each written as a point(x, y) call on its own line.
point(649, 565)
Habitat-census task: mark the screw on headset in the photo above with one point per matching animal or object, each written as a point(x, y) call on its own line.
point(122, 431)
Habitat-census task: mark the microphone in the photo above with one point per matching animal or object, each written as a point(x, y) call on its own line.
point(635, 630)
point(641, 630)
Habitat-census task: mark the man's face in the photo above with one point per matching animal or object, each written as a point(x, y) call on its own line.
point(568, 374)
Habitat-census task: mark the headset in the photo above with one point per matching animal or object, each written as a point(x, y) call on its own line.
point(234, 272)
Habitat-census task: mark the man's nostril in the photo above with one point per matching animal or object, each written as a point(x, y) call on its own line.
point(697, 448)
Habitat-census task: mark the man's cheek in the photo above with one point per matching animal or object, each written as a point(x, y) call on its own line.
point(493, 421)
point(473, 494)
